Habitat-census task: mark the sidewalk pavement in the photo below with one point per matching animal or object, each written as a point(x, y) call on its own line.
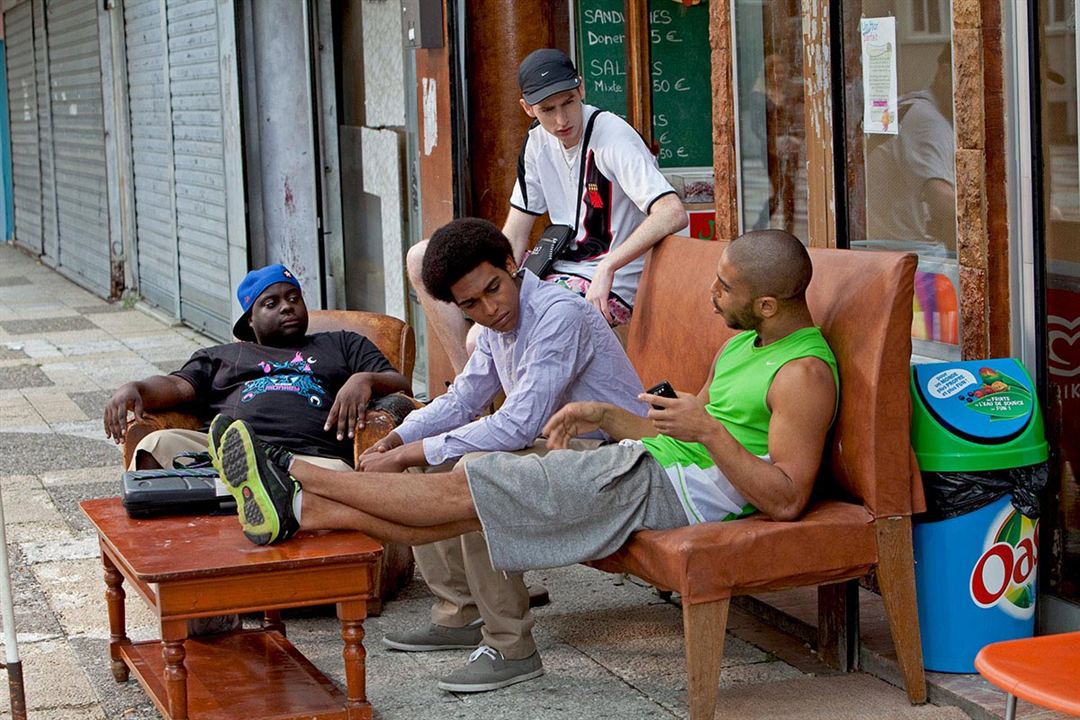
point(610, 650)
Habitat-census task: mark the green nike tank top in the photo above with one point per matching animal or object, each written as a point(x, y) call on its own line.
point(737, 395)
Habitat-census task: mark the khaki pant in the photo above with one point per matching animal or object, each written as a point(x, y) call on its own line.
point(466, 587)
point(164, 445)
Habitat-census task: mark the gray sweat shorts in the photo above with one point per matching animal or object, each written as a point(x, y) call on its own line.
point(568, 506)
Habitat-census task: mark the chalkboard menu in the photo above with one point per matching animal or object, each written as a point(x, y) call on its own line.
point(681, 76)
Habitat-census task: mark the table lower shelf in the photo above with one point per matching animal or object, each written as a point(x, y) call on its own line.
point(249, 674)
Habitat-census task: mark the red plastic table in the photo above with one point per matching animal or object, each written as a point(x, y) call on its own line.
point(1043, 670)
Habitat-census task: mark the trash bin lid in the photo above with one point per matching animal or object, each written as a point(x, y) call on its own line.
point(975, 415)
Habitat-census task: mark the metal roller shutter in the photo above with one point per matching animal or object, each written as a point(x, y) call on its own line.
point(151, 151)
point(199, 152)
point(23, 111)
point(49, 232)
point(78, 134)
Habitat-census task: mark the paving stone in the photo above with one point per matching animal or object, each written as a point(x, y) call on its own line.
point(33, 452)
point(91, 402)
point(13, 281)
point(16, 412)
point(127, 323)
point(119, 701)
point(20, 482)
point(23, 307)
point(47, 325)
point(29, 506)
point(55, 407)
point(36, 348)
point(67, 499)
point(34, 619)
point(80, 476)
point(75, 548)
point(170, 366)
point(70, 377)
point(24, 376)
point(104, 307)
point(12, 351)
point(76, 593)
point(53, 678)
point(51, 532)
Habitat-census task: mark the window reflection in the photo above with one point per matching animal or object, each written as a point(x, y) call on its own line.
point(772, 127)
point(901, 187)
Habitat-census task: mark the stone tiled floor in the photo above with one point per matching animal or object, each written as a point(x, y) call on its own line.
point(611, 650)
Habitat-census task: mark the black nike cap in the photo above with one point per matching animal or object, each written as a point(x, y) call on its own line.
point(546, 72)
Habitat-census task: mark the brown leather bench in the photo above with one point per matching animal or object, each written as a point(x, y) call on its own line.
point(396, 341)
point(860, 517)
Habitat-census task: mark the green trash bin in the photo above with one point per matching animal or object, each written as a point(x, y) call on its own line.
point(978, 435)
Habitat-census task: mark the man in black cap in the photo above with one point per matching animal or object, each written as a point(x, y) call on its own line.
point(308, 391)
point(588, 170)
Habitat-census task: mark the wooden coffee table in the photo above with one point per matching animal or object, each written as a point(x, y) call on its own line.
point(201, 566)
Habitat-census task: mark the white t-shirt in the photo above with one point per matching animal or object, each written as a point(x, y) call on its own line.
point(897, 170)
point(622, 181)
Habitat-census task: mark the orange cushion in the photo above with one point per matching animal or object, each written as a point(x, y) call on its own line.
point(1042, 670)
point(832, 541)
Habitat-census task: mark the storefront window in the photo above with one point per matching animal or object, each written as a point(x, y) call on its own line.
point(900, 165)
point(772, 129)
point(1061, 220)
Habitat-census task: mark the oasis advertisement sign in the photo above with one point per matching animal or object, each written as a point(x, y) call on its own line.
point(988, 399)
point(1004, 575)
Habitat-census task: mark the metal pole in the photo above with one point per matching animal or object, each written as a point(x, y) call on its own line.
point(7, 611)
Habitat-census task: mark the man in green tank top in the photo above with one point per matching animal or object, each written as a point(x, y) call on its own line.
point(751, 440)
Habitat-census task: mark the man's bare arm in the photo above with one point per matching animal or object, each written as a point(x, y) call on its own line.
point(802, 399)
point(154, 393)
point(517, 228)
point(941, 203)
point(666, 216)
point(579, 418)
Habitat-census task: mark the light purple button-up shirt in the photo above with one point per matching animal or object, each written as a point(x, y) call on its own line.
point(561, 351)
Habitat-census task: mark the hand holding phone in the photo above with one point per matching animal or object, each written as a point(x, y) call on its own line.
point(663, 389)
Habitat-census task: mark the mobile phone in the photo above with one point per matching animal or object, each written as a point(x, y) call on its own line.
point(663, 389)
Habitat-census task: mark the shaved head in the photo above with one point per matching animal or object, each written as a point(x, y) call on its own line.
point(771, 263)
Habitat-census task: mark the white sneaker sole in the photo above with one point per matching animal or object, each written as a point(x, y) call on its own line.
point(484, 687)
point(410, 647)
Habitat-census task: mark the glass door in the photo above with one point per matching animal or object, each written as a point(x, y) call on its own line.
point(1054, 35)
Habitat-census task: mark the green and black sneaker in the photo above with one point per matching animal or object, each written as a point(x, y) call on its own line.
point(218, 426)
point(256, 475)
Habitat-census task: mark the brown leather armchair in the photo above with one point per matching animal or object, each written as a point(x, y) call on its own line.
point(396, 341)
point(860, 517)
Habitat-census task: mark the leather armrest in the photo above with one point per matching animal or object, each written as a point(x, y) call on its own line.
point(150, 422)
point(381, 418)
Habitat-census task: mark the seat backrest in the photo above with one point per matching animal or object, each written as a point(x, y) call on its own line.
point(863, 303)
point(392, 336)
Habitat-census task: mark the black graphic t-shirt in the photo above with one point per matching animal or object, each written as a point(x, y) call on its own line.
point(285, 393)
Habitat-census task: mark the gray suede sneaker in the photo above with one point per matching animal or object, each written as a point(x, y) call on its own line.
point(487, 669)
point(436, 637)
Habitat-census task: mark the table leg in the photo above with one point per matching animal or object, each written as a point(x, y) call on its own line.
point(114, 597)
point(173, 635)
point(272, 621)
point(352, 616)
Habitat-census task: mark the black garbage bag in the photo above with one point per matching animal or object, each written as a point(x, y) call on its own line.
point(951, 494)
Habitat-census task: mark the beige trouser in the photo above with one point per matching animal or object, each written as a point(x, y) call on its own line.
point(165, 444)
point(467, 587)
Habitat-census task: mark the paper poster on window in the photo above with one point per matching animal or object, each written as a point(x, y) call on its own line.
point(879, 75)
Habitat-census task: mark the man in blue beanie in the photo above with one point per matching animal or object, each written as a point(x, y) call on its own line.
point(309, 392)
